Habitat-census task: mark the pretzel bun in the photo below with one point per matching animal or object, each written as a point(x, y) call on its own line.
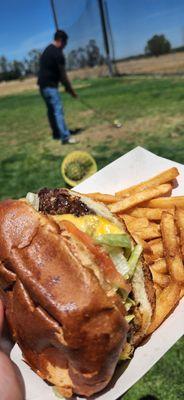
point(71, 330)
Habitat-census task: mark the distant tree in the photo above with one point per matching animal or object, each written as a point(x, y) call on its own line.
point(3, 64)
point(10, 70)
point(72, 60)
point(85, 56)
point(158, 45)
point(32, 62)
point(93, 53)
point(81, 57)
point(17, 68)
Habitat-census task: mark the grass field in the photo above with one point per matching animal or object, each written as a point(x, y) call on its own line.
point(152, 114)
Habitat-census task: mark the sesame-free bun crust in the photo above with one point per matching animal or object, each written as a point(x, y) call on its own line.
point(69, 329)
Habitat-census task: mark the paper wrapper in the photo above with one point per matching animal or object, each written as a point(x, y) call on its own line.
point(134, 167)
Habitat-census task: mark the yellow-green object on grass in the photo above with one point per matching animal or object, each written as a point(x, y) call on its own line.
point(77, 166)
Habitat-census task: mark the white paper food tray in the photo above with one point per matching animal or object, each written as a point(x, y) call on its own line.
point(134, 167)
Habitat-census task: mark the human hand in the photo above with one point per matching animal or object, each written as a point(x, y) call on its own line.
point(11, 382)
point(74, 94)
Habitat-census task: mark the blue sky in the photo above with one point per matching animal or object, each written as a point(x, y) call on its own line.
point(25, 24)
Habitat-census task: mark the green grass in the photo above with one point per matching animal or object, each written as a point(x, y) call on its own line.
point(152, 115)
point(30, 159)
point(164, 380)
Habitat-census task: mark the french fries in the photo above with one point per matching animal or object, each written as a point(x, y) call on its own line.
point(104, 198)
point(166, 202)
point(157, 249)
point(160, 266)
point(158, 289)
point(157, 223)
point(171, 248)
point(141, 227)
point(180, 226)
point(143, 243)
point(150, 213)
point(161, 279)
point(140, 197)
point(157, 180)
point(165, 303)
point(182, 292)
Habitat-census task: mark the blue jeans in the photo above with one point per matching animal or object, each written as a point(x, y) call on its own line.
point(55, 113)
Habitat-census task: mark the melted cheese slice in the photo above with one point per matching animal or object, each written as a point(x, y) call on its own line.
point(93, 225)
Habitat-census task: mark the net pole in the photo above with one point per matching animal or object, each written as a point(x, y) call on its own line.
point(115, 70)
point(105, 35)
point(54, 14)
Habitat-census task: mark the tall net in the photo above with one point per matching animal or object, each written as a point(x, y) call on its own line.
point(130, 24)
point(81, 20)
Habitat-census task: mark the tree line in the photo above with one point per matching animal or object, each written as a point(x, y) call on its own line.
point(16, 69)
point(88, 56)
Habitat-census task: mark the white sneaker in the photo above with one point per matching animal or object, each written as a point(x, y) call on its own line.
point(71, 140)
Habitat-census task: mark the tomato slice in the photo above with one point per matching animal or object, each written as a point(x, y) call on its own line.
point(104, 261)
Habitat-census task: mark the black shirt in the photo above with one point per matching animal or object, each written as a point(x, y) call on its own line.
point(52, 63)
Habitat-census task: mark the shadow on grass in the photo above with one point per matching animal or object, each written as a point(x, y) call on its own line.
point(22, 173)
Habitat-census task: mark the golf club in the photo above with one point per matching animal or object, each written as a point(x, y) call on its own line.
point(116, 123)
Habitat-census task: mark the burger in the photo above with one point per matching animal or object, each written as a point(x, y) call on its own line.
point(78, 294)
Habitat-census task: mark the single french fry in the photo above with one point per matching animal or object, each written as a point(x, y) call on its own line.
point(182, 292)
point(157, 249)
point(150, 213)
point(140, 197)
point(165, 202)
point(135, 236)
point(153, 231)
point(160, 266)
point(157, 180)
point(104, 198)
point(148, 258)
point(158, 290)
point(171, 248)
point(165, 303)
point(141, 227)
point(136, 224)
point(143, 243)
point(180, 226)
point(161, 279)
point(139, 240)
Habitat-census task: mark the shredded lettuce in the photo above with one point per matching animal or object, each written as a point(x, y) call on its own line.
point(120, 262)
point(134, 258)
point(124, 267)
point(114, 240)
point(129, 303)
point(127, 352)
point(129, 317)
point(123, 294)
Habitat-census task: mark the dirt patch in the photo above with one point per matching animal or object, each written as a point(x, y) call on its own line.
point(82, 85)
point(102, 132)
point(15, 87)
point(86, 113)
point(129, 128)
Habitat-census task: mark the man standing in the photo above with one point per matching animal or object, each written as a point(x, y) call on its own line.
point(52, 71)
